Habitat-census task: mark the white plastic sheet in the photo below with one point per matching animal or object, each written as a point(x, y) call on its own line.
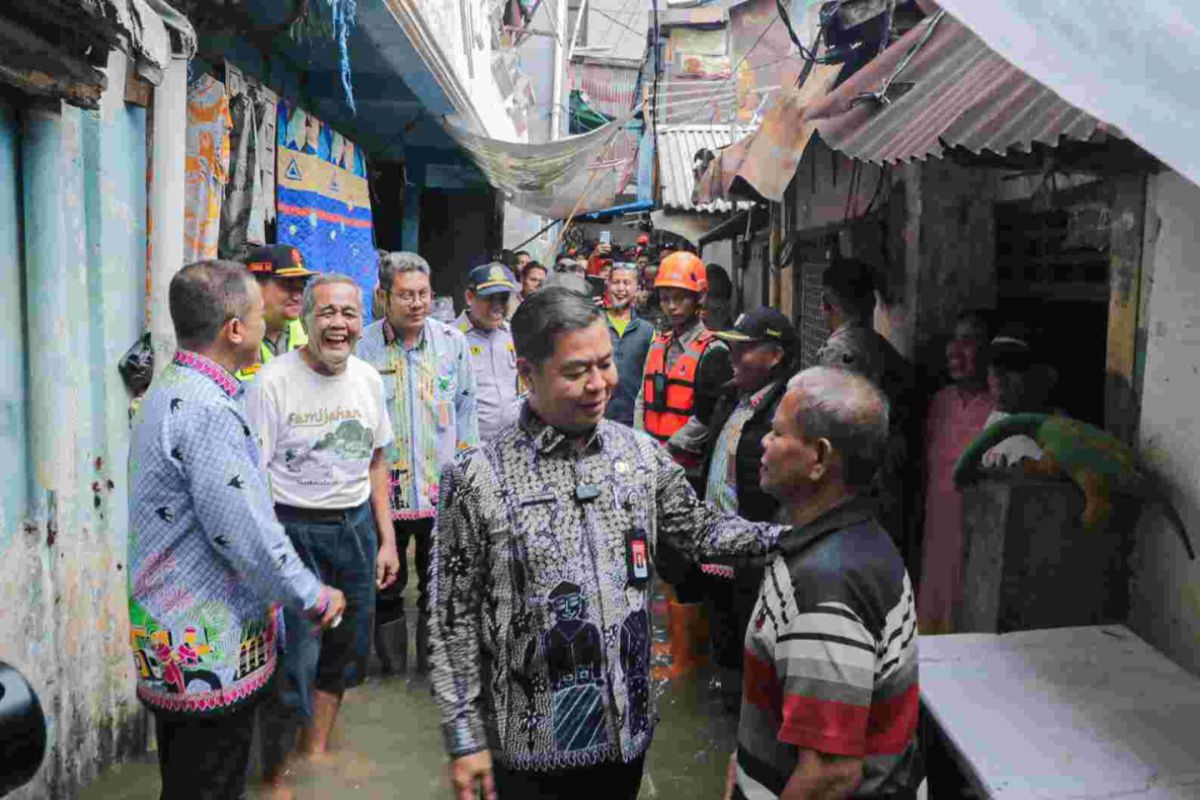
point(1134, 65)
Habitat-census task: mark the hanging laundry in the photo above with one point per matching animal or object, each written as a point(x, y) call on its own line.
point(322, 198)
point(238, 205)
point(206, 166)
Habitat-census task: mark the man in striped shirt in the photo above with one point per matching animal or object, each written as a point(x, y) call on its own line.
point(830, 699)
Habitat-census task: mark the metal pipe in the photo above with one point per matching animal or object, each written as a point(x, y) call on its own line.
point(165, 256)
point(45, 156)
point(560, 17)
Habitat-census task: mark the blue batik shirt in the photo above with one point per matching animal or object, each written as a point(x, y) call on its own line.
point(207, 558)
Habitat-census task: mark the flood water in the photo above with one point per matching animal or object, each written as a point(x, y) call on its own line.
point(388, 744)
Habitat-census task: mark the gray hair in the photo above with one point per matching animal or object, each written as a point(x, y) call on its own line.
point(324, 279)
point(849, 411)
point(393, 264)
point(568, 280)
point(553, 311)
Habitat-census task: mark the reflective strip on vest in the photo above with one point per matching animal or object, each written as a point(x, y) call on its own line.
point(297, 337)
point(663, 418)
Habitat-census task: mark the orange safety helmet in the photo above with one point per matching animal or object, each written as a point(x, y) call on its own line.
point(682, 270)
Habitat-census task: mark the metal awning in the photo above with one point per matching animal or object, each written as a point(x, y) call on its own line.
point(762, 164)
point(954, 91)
point(677, 149)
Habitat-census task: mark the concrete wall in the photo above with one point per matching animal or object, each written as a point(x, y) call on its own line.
point(462, 29)
point(72, 259)
point(612, 23)
point(1166, 586)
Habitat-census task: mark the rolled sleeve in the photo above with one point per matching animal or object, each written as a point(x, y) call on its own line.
point(456, 581)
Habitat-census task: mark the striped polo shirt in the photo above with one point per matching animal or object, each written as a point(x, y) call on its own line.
point(831, 660)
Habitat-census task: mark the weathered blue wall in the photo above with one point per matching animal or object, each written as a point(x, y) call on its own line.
point(72, 262)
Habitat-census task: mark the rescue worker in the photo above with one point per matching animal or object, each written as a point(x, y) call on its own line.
point(686, 371)
point(281, 275)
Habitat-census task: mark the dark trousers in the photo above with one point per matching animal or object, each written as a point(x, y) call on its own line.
point(204, 758)
point(602, 782)
point(389, 604)
point(730, 604)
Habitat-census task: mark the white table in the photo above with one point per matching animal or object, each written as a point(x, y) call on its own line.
point(1089, 712)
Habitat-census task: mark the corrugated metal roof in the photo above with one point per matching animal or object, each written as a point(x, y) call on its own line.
point(677, 148)
point(963, 94)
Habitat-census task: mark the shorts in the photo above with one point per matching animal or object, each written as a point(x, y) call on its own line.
point(340, 548)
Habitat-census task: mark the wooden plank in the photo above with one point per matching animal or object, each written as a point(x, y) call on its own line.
point(1075, 712)
point(1121, 398)
point(138, 90)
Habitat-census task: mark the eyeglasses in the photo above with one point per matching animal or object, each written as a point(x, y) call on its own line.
point(408, 298)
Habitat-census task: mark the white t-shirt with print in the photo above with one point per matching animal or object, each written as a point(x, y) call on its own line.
point(318, 432)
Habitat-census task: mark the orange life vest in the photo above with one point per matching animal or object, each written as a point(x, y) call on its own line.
point(670, 405)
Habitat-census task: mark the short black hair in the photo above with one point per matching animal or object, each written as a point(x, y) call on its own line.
point(850, 285)
point(720, 287)
point(550, 312)
point(532, 265)
point(204, 296)
point(520, 253)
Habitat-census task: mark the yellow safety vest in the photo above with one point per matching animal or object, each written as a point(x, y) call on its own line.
point(296, 338)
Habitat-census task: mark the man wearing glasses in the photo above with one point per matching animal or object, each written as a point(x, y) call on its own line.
point(430, 391)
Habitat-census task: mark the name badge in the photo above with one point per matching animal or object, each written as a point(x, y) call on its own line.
point(637, 558)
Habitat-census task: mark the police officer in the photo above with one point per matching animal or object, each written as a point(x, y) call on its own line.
point(493, 356)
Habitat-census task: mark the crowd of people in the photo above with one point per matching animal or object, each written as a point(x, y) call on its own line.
point(573, 430)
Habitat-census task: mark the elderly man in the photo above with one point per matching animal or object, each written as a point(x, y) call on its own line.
point(490, 343)
point(831, 698)
point(541, 575)
point(281, 275)
point(430, 392)
point(323, 422)
point(207, 557)
point(631, 337)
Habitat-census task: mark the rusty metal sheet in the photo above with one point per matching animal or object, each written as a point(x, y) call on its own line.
point(954, 92)
point(767, 159)
point(677, 148)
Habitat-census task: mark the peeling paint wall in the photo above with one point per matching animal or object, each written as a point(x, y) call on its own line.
point(72, 258)
point(1166, 586)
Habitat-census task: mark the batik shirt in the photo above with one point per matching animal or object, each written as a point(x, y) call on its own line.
point(206, 554)
point(540, 584)
point(831, 660)
point(431, 397)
